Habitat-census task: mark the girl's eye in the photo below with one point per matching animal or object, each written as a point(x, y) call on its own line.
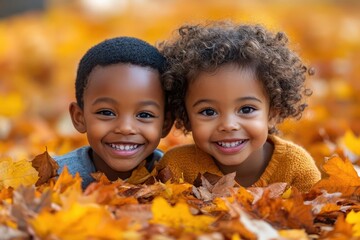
point(247, 110)
point(208, 112)
point(145, 115)
point(106, 113)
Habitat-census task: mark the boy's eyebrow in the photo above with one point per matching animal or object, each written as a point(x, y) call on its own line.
point(104, 99)
point(150, 102)
point(237, 100)
point(112, 101)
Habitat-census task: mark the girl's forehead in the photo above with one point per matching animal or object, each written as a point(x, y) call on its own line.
point(227, 68)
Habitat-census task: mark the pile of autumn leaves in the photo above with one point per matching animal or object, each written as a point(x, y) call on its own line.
point(35, 204)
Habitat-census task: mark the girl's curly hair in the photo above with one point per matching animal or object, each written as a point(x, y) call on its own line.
point(199, 48)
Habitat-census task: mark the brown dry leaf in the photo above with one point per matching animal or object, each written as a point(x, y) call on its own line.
point(16, 173)
point(247, 225)
point(326, 202)
point(8, 233)
point(289, 213)
point(164, 174)
point(275, 190)
point(342, 230)
point(46, 166)
point(221, 187)
point(26, 205)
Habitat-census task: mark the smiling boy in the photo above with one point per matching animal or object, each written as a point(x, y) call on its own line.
point(121, 106)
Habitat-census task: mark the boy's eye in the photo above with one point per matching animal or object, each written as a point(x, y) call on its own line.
point(247, 110)
point(106, 113)
point(208, 112)
point(145, 115)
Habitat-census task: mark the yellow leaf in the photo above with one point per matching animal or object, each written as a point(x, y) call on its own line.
point(88, 221)
point(16, 173)
point(354, 218)
point(11, 104)
point(176, 190)
point(179, 216)
point(352, 142)
point(287, 193)
point(298, 234)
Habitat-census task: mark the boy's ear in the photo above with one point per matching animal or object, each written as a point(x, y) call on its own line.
point(77, 117)
point(168, 123)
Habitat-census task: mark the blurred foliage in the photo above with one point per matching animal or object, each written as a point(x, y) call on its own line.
point(39, 53)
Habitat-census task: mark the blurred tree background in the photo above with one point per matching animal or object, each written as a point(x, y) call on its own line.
point(41, 43)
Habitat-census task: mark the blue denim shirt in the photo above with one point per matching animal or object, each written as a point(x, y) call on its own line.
point(79, 160)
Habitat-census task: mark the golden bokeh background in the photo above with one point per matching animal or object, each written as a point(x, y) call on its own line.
point(40, 50)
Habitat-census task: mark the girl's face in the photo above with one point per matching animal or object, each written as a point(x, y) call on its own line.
point(123, 116)
point(228, 112)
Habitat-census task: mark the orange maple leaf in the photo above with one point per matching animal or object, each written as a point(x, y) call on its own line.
point(66, 180)
point(342, 177)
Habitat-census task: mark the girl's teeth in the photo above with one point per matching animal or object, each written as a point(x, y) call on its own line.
point(123, 147)
point(230, 144)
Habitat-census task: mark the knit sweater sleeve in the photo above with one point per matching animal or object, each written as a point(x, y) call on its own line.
point(292, 164)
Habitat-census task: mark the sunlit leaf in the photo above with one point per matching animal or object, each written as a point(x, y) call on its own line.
point(178, 216)
point(16, 173)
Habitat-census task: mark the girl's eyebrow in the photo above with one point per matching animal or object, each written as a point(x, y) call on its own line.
point(248, 98)
point(203, 101)
point(241, 99)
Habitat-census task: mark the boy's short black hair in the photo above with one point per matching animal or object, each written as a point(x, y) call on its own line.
point(116, 50)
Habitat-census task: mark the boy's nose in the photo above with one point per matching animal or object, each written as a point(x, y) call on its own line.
point(125, 126)
point(229, 123)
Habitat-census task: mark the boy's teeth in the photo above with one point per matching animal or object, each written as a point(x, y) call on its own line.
point(122, 147)
point(230, 144)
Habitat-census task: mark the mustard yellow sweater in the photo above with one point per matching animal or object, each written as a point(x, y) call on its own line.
point(289, 163)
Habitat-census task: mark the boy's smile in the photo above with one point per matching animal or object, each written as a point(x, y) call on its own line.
point(228, 112)
point(123, 116)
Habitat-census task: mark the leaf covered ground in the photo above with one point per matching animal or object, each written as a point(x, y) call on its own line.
point(151, 206)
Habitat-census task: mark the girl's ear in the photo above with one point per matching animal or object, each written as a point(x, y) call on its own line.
point(168, 123)
point(77, 117)
point(272, 119)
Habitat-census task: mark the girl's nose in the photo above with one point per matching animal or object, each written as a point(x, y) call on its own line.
point(229, 123)
point(126, 125)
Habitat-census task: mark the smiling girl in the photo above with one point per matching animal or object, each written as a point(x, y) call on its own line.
point(231, 85)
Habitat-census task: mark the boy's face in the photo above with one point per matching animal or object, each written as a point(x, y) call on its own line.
point(228, 112)
point(123, 115)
